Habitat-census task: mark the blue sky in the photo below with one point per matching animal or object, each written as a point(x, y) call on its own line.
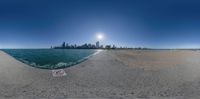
point(132, 23)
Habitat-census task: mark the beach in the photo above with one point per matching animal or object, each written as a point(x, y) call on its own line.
point(154, 74)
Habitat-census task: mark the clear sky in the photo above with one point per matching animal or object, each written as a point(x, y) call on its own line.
point(132, 23)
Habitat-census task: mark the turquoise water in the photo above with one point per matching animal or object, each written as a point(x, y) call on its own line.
point(50, 58)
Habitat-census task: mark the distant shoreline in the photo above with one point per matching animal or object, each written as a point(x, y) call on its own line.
point(116, 48)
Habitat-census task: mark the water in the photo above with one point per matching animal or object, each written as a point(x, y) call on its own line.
point(50, 58)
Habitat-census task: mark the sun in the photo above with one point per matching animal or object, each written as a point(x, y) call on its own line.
point(100, 36)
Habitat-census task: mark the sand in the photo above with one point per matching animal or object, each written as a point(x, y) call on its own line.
point(171, 74)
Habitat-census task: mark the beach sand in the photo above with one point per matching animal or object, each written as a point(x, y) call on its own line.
point(169, 74)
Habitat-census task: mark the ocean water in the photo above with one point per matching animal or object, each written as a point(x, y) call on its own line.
point(50, 58)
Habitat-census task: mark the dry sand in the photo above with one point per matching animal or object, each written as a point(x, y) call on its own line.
point(109, 74)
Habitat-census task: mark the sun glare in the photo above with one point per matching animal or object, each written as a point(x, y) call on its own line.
point(100, 36)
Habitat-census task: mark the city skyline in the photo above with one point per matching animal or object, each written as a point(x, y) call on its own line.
point(97, 45)
point(131, 23)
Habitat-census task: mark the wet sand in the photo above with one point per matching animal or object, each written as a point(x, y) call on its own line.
point(169, 74)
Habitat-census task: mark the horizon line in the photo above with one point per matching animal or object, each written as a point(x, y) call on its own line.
point(148, 48)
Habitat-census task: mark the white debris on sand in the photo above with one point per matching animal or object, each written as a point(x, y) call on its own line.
point(58, 73)
point(109, 74)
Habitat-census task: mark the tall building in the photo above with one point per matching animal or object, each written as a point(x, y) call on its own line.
point(63, 45)
point(97, 44)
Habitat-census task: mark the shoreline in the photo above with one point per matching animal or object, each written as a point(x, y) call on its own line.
point(109, 74)
point(65, 65)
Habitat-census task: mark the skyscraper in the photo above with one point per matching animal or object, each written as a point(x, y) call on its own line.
point(97, 44)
